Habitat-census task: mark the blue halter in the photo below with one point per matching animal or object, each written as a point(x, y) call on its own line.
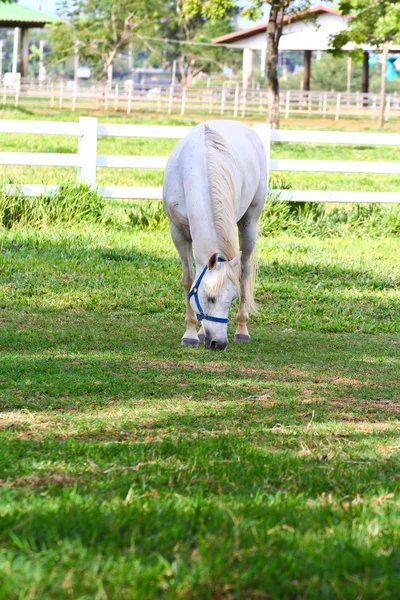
point(193, 292)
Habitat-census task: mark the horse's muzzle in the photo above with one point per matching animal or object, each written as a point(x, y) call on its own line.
point(211, 344)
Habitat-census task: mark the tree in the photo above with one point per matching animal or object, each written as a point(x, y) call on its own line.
point(375, 23)
point(98, 29)
point(215, 9)
point(192, 30)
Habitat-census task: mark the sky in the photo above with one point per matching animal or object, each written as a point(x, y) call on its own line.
point(48, 6)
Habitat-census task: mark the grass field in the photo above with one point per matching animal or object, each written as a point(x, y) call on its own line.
point(134, 468)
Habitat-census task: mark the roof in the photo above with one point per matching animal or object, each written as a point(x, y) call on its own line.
point(245, 33)
point(15, 15)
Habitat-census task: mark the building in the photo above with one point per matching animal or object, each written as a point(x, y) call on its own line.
point(307, 31)
point(21, 19)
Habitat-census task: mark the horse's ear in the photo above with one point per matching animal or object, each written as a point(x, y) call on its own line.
point(213, 260)
point(235, 261)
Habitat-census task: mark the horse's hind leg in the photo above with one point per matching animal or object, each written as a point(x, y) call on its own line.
point(184, 247)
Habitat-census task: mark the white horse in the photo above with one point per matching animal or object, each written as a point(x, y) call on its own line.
point(215, 179)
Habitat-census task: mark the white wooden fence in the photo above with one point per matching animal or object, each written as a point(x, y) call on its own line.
point(231, 99)
point(87, 160)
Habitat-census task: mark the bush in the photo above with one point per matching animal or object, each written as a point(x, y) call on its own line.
point(303, 219)
point(150, 216)
point(311, 219)
point(70, 204)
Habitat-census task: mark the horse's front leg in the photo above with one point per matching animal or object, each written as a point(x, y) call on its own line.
point(247, 238)
point(184, 247)
point(190, 337)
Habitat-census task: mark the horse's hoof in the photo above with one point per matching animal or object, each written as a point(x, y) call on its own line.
point(240, 337)
point(190, 342)
point(202, 338)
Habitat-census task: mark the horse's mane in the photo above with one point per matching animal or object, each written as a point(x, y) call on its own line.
point(222, 192)
point(223, 205)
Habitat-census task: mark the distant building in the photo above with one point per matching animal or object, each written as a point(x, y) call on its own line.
point(306, 31)
point(151, 77)
point(21, 19)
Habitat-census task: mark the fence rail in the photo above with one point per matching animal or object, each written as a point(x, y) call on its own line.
point(87, 160)
point(231, 99)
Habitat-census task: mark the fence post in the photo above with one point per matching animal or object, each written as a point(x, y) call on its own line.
point(105, 92)
point(87, 150)
point(264, 131)
point(170, 99)
point(17, 90)
point(223, 98)
point(235, 107)
point(374, 106)
point(60, 102)
point(387, 110)
point(74, 95)
point(183, 104)
point(287, 104)
point(128, 110)
point(116, 98)
point(243, 100)
point(338, 97)
point(210, 101)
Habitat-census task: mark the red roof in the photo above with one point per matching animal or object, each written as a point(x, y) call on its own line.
point(244, 33)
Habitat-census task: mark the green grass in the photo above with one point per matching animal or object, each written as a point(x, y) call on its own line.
point(134, 468)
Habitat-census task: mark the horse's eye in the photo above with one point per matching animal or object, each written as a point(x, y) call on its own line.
point(211, 300)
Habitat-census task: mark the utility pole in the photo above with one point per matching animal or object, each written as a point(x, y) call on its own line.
point(348, 75)
point(76, 61)
point(110, 74)
point(15, 51)
point(130, 59)
point(385, 53)
point(173, 73)
point(42, 74)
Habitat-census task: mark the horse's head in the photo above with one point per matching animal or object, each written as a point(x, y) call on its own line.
point(217, 289)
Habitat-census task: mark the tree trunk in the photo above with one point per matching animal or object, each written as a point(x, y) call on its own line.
point(365, 73)
point(385, 53)
point(272, 70)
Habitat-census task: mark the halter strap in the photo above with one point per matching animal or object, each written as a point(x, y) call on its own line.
point(194, 292)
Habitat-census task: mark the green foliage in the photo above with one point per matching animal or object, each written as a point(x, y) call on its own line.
point(150, 216)
point(275, 217)
point(303, 219)
point(70, 204)
point(374, 22)
point(310, 219)
point(99, 29)
point(211, 9)
point(190, 23)
point(327, 74)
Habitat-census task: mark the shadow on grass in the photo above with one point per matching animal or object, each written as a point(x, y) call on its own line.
point(62, 360)
point(267, 519)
